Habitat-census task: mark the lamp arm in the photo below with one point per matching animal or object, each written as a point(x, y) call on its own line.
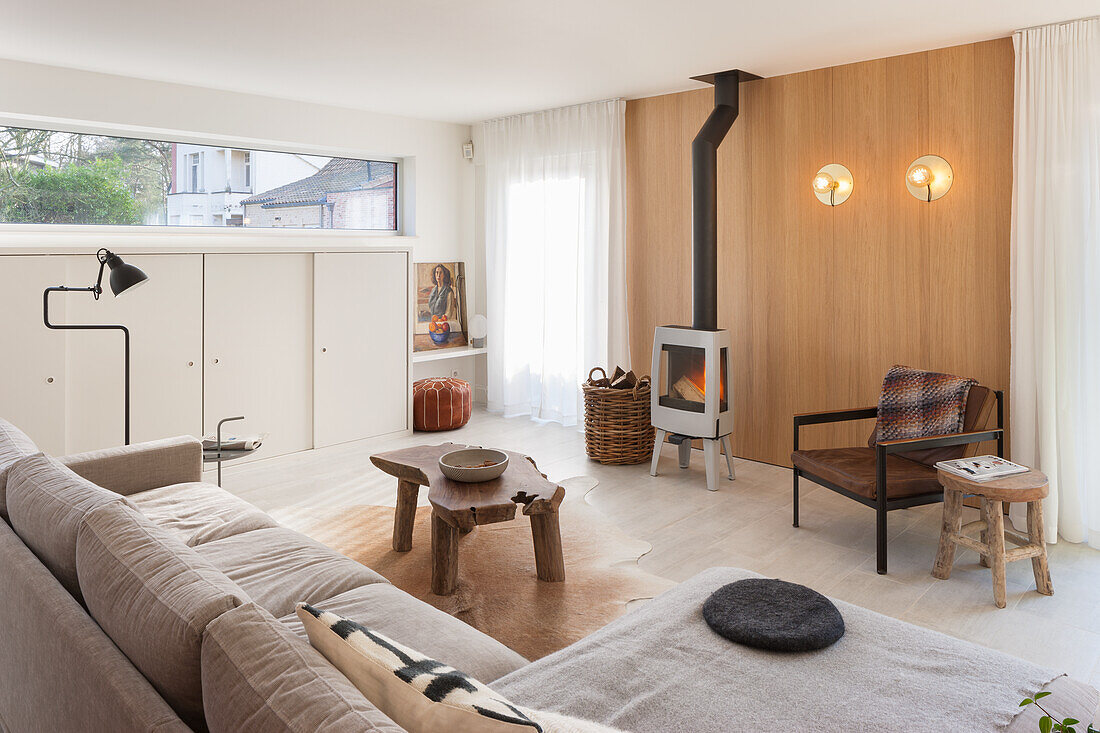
point(94, 290)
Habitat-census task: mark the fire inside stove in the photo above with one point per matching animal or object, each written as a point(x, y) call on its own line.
point(684, 378)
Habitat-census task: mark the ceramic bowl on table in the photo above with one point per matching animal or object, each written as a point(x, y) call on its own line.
point(473, 465)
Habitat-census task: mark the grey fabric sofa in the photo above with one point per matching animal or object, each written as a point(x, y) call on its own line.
point(134, 597)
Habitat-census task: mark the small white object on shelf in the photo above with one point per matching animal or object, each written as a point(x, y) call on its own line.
point(445, 354)
point(479, 328)
point(981, 468)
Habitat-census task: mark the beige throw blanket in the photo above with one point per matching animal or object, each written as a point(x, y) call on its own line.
point(661, 669)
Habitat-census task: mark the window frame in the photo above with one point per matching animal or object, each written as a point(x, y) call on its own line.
point(161, 236)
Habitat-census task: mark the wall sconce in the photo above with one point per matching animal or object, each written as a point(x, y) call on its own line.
point(929, 177)
point(833, 184)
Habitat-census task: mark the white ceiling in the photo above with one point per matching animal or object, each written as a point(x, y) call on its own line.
point(468, 61)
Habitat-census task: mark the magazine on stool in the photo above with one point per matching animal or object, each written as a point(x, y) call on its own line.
point(981, 468)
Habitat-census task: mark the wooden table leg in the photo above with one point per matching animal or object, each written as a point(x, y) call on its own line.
point(1036, 534)
point(444, 557)
point(952, 523)
point(405, 515)
point(983, 560)
point(549, 561)
point(995, 521)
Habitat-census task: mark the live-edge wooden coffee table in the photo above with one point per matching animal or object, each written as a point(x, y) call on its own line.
point(458, 507)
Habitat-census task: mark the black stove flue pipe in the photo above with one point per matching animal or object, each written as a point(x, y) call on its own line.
point(704, 196)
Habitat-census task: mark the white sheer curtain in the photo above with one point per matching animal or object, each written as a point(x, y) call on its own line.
point(1056, 272)
point(555, 280)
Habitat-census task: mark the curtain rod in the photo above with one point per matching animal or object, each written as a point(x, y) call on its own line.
point(552, 109)
point(1060, 22)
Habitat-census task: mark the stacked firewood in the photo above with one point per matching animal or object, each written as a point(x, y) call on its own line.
point(618, 380)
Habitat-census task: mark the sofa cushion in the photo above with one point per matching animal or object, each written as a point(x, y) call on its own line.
point(393, 612)
point(279, 567)
point(46, 504)
point(418, 692)
point(14, 444)
point(154, 597)
point(196, 513)
point(259, 676)
point(58, 670)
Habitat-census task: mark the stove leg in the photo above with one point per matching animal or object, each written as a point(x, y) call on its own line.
point(657, 443)
point(711, 456)
point(685, 452)
point(729, 456)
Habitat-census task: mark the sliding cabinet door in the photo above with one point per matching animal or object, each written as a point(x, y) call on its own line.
point(164, 316)
point(258, 341)
point(361, 345)
point(32, 379)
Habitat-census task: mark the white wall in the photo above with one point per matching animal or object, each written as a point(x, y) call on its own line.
point(437, 206)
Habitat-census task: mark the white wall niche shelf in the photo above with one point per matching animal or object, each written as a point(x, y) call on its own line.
point(422, 356)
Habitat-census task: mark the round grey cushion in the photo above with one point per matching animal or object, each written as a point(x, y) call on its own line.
point(773, 614)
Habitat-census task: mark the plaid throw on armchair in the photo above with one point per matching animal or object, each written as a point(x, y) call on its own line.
point(919, 404)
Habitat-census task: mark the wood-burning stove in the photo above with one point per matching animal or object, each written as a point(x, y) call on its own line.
point(692, 397)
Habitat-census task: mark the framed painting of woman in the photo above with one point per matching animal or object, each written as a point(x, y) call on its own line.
point(440, 306)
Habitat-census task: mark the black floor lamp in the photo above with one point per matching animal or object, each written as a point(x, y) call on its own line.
point(123, 278)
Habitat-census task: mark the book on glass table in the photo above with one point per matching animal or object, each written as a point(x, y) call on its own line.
point(982, 468)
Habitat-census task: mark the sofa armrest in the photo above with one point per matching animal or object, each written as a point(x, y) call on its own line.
point(132, 468)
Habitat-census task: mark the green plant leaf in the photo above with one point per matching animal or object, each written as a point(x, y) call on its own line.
point(1041, 695)
point(1026, 701)
point(1046, 724)
point(1070, 721)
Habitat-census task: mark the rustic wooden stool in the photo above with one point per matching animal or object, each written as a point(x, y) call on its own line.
point(458, 507)
point(1031, 487)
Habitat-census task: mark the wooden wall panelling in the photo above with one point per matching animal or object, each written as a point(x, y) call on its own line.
point(821, 301)
point(660, 189)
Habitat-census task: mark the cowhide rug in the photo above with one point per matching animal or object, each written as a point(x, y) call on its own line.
point(498, 592)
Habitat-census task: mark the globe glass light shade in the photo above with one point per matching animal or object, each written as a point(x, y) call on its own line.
point(479, 327)
point(920, 175)
point(823, 183)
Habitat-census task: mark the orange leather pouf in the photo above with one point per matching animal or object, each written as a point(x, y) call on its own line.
point(441, 403)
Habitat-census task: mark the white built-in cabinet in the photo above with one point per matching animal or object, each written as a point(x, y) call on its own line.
point(33, 379)
point(258, 346)
point(313, 348)
point(166, 328)
point(349, 359)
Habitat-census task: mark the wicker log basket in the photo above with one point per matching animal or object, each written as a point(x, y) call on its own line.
point(617, 429)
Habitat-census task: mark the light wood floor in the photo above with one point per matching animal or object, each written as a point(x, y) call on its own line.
point(747, 523)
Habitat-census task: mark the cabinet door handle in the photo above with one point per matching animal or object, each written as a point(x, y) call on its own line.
point(49, 380)
point(190, 363)
point(215, 361)
point(323, 349)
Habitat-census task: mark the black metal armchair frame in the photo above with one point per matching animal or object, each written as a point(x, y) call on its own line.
point(881, 503)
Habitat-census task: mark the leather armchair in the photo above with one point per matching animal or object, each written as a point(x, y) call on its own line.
point(894, 474)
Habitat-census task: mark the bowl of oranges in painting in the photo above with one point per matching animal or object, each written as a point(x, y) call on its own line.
point(439, 329)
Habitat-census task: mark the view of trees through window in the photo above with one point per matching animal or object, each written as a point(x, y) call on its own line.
point(49, 177)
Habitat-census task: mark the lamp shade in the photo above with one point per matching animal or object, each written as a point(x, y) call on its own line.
point(479, 327)
point(124, 277)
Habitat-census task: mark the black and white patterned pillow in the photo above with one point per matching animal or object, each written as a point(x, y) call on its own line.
point(438, 683)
